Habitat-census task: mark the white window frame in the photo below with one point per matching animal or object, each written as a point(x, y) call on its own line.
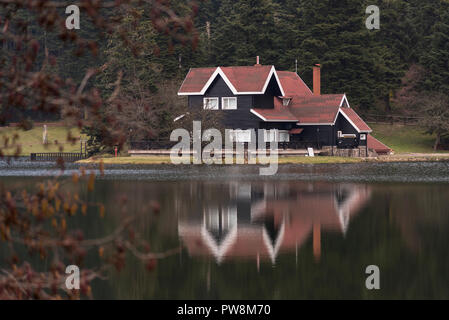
point(229, 99)
point(270, 135)
point(205, 103)
point(283, 136)
point(239, 135)
point(363, 136)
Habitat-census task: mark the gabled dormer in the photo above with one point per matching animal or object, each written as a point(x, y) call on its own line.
point(231, 88)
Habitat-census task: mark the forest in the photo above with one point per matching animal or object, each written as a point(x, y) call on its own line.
point(402, 68)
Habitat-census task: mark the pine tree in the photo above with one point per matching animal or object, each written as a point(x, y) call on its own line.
point(245, 29)
point(436, 57)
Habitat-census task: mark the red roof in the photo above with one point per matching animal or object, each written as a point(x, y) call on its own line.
point(321, 109)
point(356, 120)
point(296, 131)
point(243, 79)
point(248, 79)
point(315, 115)
point(293, 84)
point(196, 79)
point(377, 146)
point(324, 100)
point(312, 109)
point(276, 114)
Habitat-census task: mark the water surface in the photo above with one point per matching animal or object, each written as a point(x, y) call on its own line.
point(308, 232)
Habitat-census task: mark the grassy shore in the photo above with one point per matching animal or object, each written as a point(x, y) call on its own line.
point(153, 160)
point(410, 144)
point(404, 139)
point(166, 160)
point(31, 140)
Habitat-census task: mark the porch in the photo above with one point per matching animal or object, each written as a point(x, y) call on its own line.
point(163, 147)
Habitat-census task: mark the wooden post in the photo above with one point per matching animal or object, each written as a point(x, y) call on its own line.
point(45, 135)
point(317, 241)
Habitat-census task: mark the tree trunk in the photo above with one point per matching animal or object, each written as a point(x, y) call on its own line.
point(437, 141)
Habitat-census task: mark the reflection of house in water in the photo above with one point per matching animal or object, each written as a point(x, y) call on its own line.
point(260, 220)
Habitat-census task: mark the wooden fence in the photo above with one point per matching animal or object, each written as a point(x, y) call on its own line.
point(391, 119)
point(167, 145)
point(55, 156)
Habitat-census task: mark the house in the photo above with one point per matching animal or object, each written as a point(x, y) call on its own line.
point(260, 97)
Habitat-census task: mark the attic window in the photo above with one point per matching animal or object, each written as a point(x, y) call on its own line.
point(210, 103)
point(229, 103)
point(286, 101)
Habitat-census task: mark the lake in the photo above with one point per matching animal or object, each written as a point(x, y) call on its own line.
point(308, 232)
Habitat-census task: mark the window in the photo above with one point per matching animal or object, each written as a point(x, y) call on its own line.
point(275, 135)
point(241, 135)
point(213, 218)
point(210, 103)
point(270, 135)
point(347, 135)
point(284, 136)
point(286, 102)
point(229, 103)
point(363, 137)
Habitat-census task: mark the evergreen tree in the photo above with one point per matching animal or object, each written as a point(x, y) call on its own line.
point(245, 29)
point(436, 57)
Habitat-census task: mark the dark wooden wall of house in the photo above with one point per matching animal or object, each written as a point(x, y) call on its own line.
point(317, 135)
point(343, 125)
point(242, 118)
point(326, 135)
point(266, 101)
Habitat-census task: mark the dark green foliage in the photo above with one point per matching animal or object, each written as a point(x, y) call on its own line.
point(365, 64)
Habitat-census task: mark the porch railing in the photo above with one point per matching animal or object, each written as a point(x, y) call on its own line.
point(167, 145)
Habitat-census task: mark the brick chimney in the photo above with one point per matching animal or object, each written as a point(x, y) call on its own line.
point(257, 62)
point(317, 79)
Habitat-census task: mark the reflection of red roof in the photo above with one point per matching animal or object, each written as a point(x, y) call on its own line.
point(293, 84)
point(377, 146)
point(356, 120)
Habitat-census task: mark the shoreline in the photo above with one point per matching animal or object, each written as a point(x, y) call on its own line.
point(157, 160)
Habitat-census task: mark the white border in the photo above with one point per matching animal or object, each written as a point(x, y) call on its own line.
point(344, 99)
point(264, 119)
point(352, 123)
point(273, 250)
